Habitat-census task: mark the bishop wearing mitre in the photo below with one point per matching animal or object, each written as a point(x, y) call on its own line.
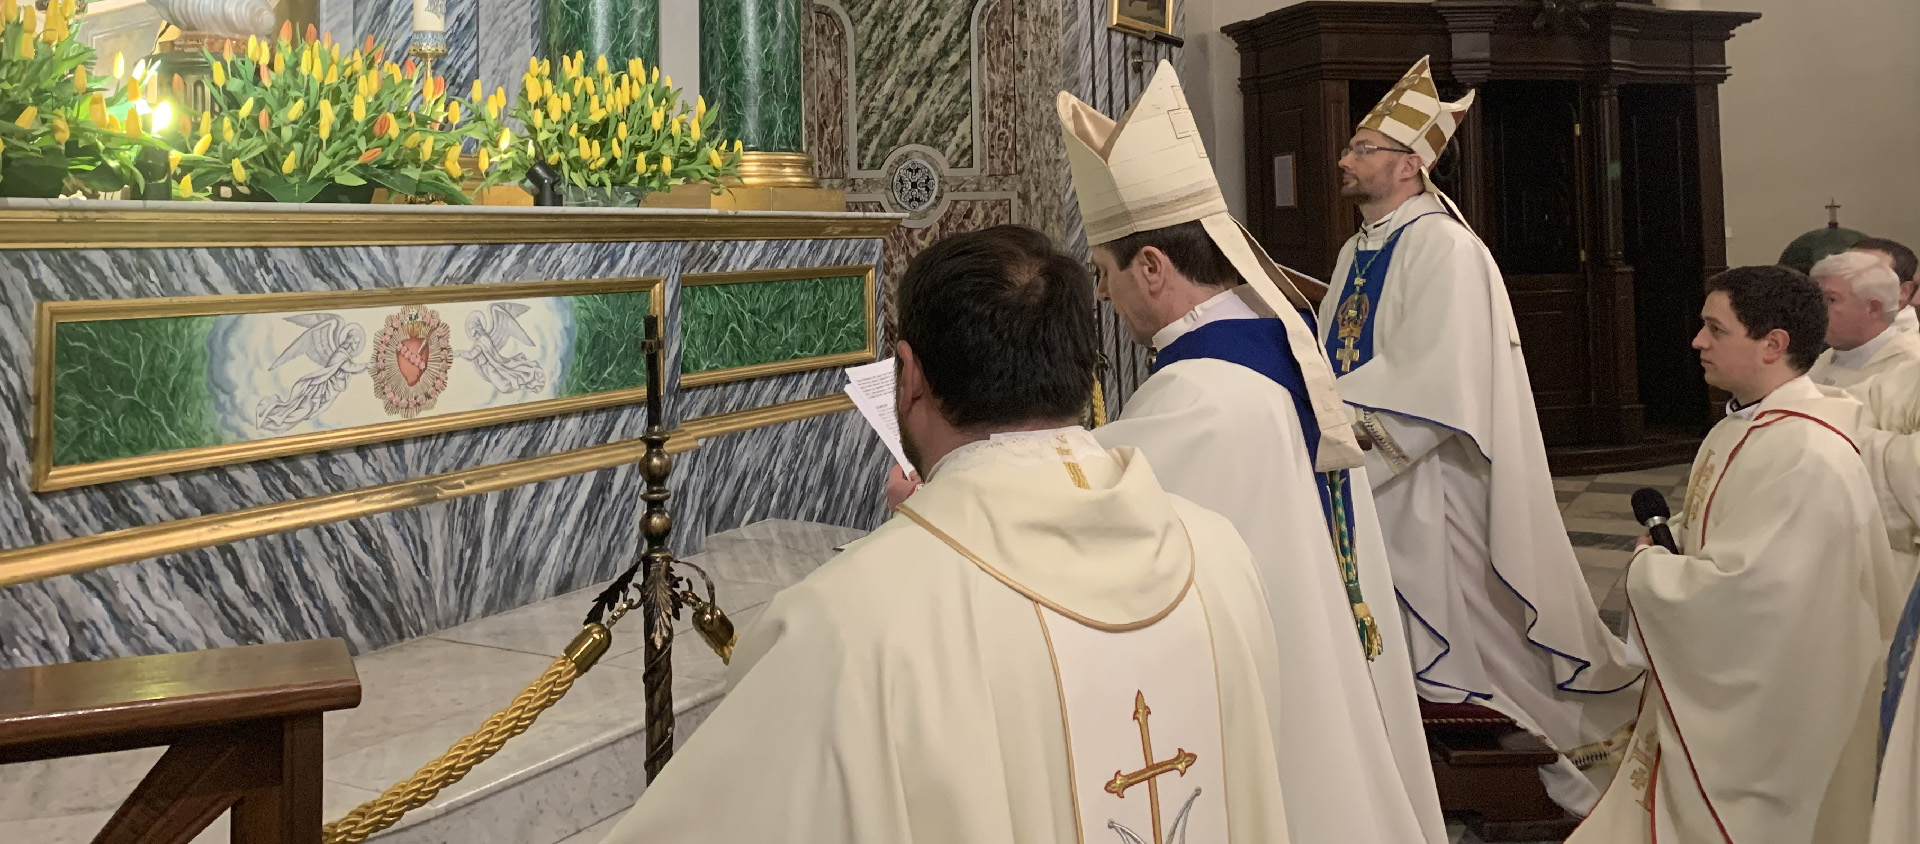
point(1242, 417)
point(1766, 633)
point(1042, 644)
point(1422, 338)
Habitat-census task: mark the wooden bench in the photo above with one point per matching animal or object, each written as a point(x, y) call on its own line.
point(241, 726)
point(1487, 769)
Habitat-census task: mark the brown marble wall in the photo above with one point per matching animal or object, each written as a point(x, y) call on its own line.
point(886, 120)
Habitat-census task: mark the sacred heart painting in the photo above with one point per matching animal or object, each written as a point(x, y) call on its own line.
point(1142, 17)
point(146, 386)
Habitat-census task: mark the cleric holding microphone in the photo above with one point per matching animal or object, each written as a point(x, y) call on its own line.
point(1767, 633)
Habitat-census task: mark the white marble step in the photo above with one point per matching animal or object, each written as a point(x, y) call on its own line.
point(578, 766)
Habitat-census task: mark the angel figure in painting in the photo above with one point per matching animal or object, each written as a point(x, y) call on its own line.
point(490, 336)
point(329, 341)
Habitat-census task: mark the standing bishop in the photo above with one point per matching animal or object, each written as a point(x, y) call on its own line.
point(1241, 416)
point(1423, 340)
point(1041, 645)
point(1766, 633)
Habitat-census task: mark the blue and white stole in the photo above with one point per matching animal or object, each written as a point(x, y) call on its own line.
point(1261, 345)
point(1350, 344)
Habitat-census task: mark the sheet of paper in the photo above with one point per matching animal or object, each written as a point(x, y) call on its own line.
point(871, 388)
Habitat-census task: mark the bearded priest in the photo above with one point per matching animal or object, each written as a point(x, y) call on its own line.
point(1423, 340)
point(1767, 633)
point(1041, 645)
point(1241, 416)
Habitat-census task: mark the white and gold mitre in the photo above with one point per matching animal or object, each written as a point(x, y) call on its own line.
point(1413, 114)
point(1149, 171)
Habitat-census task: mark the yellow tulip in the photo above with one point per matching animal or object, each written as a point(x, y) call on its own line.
point(119, 61)
point(621, 130)
point(206, 123)
point(326, 128)
point(656, 75)
point(553, 108)
point(60, 131)
point(452, 162)
point(333, 75)
point(584, 83)
point(537, 121)
point(573, 130)
point(553, 158)
point(79, 73)
point(279, 63)
point(219, 74)
point(668, 84)
point(173, 160)
point(26, 45)
point(659, 117)
point(714, 159)
point(9, 12)
point(133, 125)
point(453, 112)
point(185, 188)
point(28, 21)
point(600, 65)
point(506, 139)
point(699, 109)
point(597, 116)
point(200, 146)
point(736, 146)
point(359, 109)
point(286, 167)
point(477, 91)
point(693, 131)
point(426, 148)
point(298, 108)
point(581, 148)
point(25, 119)
point(639, 162)
point(226, 130)
point(666, 166)
point(533, 65)
point(546, 68)
point(493, 112)
point(484, 160)
point(239, 173)
point(596, 164)
point(618, 151)
point(593, 103)
point(566, 102)
point(326, 110)
point(253, 48)
point(675, 128)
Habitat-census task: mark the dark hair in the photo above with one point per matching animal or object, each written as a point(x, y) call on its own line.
point(1003, 326)
point(1188, 246)
point(1905, 264)
point(1766, 298)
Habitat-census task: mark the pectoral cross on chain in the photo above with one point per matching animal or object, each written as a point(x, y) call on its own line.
point(1181, 761)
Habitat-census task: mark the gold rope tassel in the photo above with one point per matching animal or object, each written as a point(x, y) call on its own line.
point(1609, 750)
point(1099, 404)
point(479, 746)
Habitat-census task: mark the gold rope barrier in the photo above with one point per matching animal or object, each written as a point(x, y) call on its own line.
point(478, 746)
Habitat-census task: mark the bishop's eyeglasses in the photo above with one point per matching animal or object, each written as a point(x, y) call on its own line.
point(1362, 149)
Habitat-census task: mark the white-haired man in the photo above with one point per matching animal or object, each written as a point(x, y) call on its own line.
point(1863, 296)
point(1905, 265)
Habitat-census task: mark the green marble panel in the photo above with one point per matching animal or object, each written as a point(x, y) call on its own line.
point(723, 326)
point(131, 386)
point(913, 68)
point(750, 70)
point(608, 328)
point(617, 29)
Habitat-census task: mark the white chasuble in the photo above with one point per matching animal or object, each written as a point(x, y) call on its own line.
point(1889, 440)
point(1143, 746)
point(1852, 369)
point(1896, 803)
point(1767, 639)
point(1354, 764)
point(1041, 646)
point(1427, 352)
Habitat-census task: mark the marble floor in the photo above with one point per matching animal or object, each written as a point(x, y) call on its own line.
point(424, 694)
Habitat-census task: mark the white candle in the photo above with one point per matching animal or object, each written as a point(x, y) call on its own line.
point(429, 15)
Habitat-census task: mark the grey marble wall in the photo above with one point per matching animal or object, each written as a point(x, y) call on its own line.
point(384, 579)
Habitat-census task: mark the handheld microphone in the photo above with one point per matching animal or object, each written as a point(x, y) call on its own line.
point(1650, 509)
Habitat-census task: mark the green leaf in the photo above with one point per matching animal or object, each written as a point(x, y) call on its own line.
point(349, 178)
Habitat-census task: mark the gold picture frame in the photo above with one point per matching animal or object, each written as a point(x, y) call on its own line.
point(1141, 17)
point(743, 373)
point(47, 477)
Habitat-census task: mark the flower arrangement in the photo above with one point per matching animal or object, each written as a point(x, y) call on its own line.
point(597, 128)
point(58, 129)
point(298, 121)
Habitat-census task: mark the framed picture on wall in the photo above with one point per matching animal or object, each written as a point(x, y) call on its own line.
point(1142, 17)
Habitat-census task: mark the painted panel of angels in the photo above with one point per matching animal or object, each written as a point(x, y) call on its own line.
point(128, 388)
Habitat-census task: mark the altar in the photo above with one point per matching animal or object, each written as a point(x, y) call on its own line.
point(236, 423)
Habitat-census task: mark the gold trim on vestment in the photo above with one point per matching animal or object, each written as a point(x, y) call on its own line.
point(85, 553)
point(1389, 448)
point(1042, 600)
point(1066, 728)
point(46, 477)
point(211, 224)
point(761, 370)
